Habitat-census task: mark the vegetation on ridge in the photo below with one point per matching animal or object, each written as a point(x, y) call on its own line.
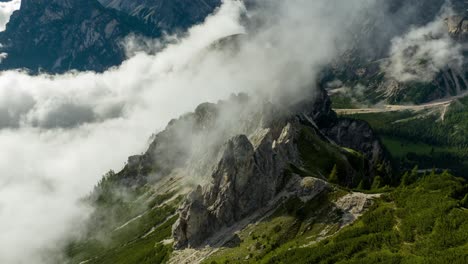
point(423, 222)
point(127, 226)
point(424, 139)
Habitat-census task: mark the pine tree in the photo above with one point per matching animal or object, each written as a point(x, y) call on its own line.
point(361, 185)
point(464, 201)
point(333, 177)
point(414, 174)
point(377, 183)
point(445, 173)
point(405, 179)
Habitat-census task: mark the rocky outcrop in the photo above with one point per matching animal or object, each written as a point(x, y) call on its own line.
point(353, 205)
point(458, 27)
point(358, 135)
point(253, 168)
point(246, 178)
point(240, 155)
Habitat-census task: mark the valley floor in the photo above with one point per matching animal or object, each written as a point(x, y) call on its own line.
point(437, 104)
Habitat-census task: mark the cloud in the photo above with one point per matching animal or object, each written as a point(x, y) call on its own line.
point(423, 52)
point(59, 133)
point(6, 9)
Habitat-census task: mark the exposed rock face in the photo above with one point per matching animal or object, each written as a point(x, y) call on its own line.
point(358, 135)
point(254, 168)
point(167, 15)
point(245, 179)
point(242, 154)
point(354, 205)
point(458, 27)
point(307, 188)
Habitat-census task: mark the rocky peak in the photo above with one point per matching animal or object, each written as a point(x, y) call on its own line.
point(458, 27)
point(245, 179)
point(244, 153)
point(253, 168)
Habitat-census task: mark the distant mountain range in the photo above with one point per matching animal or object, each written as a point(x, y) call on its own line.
point(56, 36)
point(365, 67)
point(166, 15)
point(60, 35)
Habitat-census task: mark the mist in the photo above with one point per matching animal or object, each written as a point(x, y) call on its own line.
point(423, 52)
point(6, 9)
point(61, 133)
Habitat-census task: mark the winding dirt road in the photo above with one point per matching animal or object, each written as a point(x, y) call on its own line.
point(441, 103)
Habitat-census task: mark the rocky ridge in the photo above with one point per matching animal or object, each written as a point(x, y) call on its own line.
point(240, 155)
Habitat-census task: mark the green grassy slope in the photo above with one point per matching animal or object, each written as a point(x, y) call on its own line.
point(320, 158)
point(424, 139)
point(133, 225)
point(128, 225)
point(423, 222)
point(293, 224)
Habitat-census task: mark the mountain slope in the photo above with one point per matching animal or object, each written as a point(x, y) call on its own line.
point(57, 36)
point(164, 14)
point(428, 138)
point(423, 222)
point(306, 220)
point(234, 159)
point(396, 58)
point(60, 35)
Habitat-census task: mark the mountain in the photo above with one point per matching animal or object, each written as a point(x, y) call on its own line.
point(38, 47)
point(274, 183)
point(411, 71)
point(431, 137)
point(60, 35)
point(249, 180)
point(256, 167)
point(430, 134)
point(166, 15)
point(396, 229)
point(226, 165)
point(255, 180)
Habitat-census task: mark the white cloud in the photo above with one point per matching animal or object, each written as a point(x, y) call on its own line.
point(423, 52)
point(6, 9)
point(60, 133)
point(45, 169)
